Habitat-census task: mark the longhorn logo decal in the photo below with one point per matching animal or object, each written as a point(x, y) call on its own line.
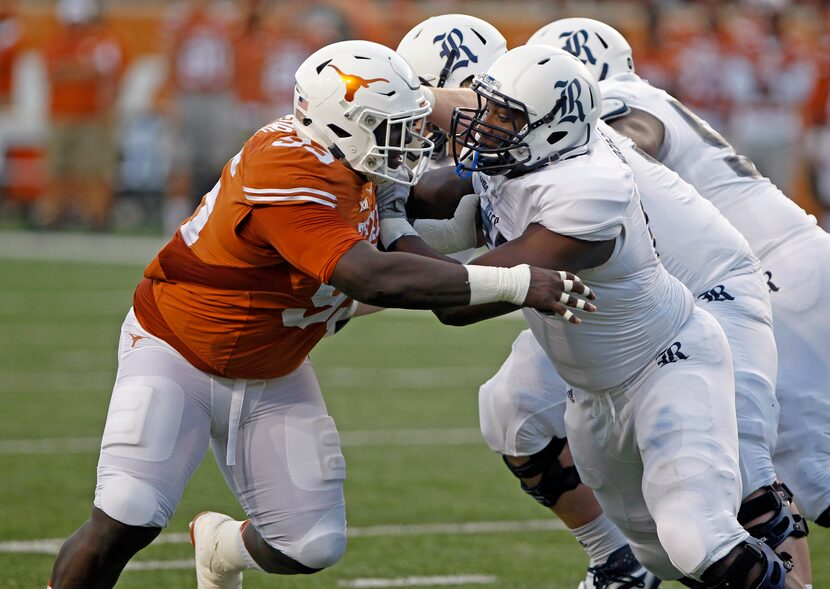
point(354, 83)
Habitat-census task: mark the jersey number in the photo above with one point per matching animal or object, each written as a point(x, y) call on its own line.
point(324, 298)
point(741, 165)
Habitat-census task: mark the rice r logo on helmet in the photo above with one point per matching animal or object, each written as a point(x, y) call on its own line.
point(576, 43)
point(569, 104)
point(452, 48)
point(354, 83)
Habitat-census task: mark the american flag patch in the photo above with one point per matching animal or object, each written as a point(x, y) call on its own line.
point(302, 102)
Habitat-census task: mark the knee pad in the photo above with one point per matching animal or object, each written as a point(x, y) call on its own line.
point(323, 551)
point(783, 523)
point(556, 479)
point(130, 501)
point(321, 546)
point(750, 552)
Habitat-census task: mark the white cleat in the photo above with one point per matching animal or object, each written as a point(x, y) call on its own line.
point(211, 569)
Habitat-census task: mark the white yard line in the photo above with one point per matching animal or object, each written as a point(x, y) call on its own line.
point(160, 565)
point(348, 439)
point(51, 546)
point(442, 581)
point(411, 581)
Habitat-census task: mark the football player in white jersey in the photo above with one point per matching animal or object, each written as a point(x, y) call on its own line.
point(786, 239)
point(651, 421)
point(719, 269)
point(522, 406)
point(448, 51)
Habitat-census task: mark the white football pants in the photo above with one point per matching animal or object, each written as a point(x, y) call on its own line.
point(287, 470)
point(661, 453)
point(798, 276)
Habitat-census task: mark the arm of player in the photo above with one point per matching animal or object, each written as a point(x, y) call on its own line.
point(462, 232)
point(445, 229)
point(316, 240)
point(644, 129)
point(540, 248)
point(437, 193)
point(446, 101)
point(394, 279)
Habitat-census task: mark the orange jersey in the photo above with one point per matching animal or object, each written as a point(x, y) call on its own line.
point(242, 288)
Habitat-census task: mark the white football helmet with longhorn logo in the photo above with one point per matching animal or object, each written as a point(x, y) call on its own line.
point(363, 102)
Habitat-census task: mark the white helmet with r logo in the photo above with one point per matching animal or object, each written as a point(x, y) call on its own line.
point(602, 49)
point(553, 102)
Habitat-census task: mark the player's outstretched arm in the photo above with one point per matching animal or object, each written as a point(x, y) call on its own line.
point(408, 281)
point(644, 129)
point(541, 249)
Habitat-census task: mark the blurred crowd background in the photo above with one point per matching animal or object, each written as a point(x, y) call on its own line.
point(119, 114)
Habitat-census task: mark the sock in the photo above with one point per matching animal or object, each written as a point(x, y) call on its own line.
point(232, 555)
point(599, 538)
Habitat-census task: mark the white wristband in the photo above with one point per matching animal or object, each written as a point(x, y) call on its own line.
point(392, 229)
point(489, 284)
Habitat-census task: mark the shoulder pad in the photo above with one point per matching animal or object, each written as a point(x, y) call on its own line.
point(613, 108)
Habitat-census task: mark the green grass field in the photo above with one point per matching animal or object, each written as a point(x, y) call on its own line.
point(402, 388)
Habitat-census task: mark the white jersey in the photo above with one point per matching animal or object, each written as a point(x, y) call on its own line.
point(753, 204)
point(694, 241)
point(592, 196)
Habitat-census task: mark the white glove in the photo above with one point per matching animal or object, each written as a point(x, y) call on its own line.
point(449, 236)
point(392, 196)
point(391, 201)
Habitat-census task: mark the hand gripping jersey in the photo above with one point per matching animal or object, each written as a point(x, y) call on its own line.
point(593, 196)
point(696, 244)
point(241, 290)
point(753, 204)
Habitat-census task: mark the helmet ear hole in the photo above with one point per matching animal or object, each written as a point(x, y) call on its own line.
point(556, 136)
point(339, 131)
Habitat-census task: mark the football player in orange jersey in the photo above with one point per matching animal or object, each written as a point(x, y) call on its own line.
point(215, 348)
